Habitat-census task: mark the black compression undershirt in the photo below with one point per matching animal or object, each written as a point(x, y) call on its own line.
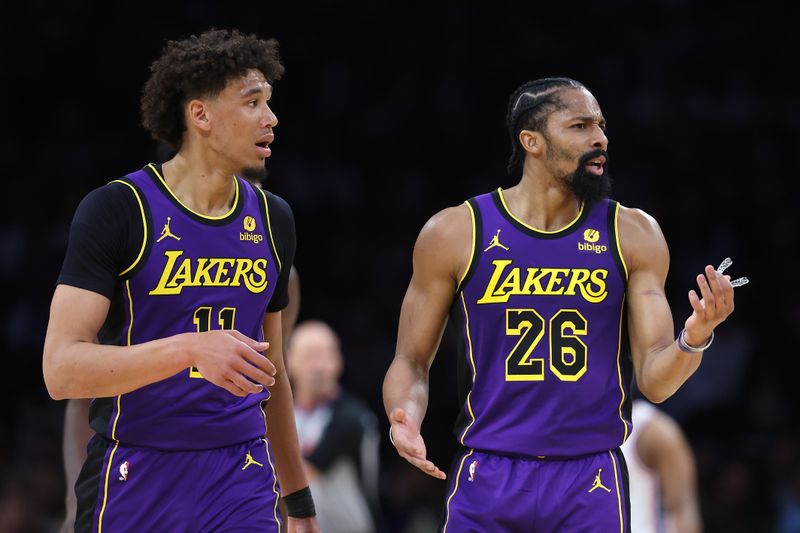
point(106, 238)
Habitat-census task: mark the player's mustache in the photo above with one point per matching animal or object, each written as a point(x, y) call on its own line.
point(588, 156)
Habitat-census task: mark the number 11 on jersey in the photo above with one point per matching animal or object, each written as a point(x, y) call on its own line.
point(202, 319)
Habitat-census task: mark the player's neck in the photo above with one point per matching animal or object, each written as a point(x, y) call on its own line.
point(542, 202)
point(201, 185)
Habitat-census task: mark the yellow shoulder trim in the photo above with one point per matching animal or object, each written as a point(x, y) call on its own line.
point(201, 215)
point(269, 228)
point(472, 248)
point(144, 225)
point(619, 245)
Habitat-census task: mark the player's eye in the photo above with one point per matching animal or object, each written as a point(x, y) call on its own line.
point(579, 126)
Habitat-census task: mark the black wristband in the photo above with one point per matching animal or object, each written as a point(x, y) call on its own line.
point(300, 504)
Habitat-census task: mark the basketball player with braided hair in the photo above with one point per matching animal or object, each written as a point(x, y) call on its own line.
point(557, 293)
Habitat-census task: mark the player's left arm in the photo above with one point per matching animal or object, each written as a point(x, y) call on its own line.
point(664, 448)
point(660, 365)
point(282, 428)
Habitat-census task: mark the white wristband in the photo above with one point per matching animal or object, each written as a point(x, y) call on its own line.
point(684, 346)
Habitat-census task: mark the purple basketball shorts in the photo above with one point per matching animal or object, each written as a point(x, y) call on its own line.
point(499, 494)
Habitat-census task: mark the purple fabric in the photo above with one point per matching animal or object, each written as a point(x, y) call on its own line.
point(216, 276)
point(585, 494)
point(186, 492)
point(541, 317)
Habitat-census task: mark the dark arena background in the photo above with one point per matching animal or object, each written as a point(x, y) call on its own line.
point(391, 111)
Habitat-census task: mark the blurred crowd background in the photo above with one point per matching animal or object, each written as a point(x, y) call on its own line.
point(391, 111)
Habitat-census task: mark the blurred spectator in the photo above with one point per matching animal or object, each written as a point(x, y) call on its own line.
point(338, 433)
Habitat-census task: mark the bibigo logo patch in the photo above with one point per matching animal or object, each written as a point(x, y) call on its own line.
point(591, 236)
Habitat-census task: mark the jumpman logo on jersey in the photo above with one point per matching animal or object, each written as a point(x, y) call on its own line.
point(249, 461)
point(167, 233)
point(597, 483)
point(496, 242)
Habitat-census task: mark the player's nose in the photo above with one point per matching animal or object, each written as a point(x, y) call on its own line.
point(599, 139)
point(269, 118)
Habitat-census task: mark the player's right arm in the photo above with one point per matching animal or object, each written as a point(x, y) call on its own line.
point(76, 366)
point(441, 255)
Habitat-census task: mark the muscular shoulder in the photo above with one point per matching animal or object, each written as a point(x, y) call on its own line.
point(445, 242)
point(642, 242)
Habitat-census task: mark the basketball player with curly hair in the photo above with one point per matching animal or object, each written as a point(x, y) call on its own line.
point(168, 310)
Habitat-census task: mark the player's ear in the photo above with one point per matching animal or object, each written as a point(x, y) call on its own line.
point(532, 142)
point(197, 114)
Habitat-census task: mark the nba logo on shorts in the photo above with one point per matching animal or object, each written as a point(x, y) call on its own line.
point(473, 466)
point(123, 471)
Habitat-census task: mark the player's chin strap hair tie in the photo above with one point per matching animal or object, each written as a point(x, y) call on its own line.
point(686, 347)
point(300, 504)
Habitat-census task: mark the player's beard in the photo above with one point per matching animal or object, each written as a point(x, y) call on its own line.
point(587, 187)
point(255, 175)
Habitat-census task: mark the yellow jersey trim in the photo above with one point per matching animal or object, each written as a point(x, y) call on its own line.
point(474, 370)
point(116, 419)
point(505, 206)
point(619, 377)
point(455, 489)
point(274, 486)
point(144, 224)
point(619, 498)
point(201, 215)
point(619, 245)
point(105, 489)
point(269, 228)
point(625, 432)
point(472, 247)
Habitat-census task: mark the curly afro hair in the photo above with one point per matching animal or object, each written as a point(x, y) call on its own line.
point(200, 66)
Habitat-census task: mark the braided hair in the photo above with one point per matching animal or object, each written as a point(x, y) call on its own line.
point(529, 107)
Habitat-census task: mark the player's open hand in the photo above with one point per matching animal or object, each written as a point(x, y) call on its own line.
point(711, 307)
point(232, 361)
point(409, 444)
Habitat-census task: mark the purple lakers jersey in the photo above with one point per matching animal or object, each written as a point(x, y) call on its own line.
point(540, 314)
point(194, 273)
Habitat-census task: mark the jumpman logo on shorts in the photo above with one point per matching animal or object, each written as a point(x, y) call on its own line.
point(495, 242)
point(167, 233)
point(248, 461)
point(597, 483)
